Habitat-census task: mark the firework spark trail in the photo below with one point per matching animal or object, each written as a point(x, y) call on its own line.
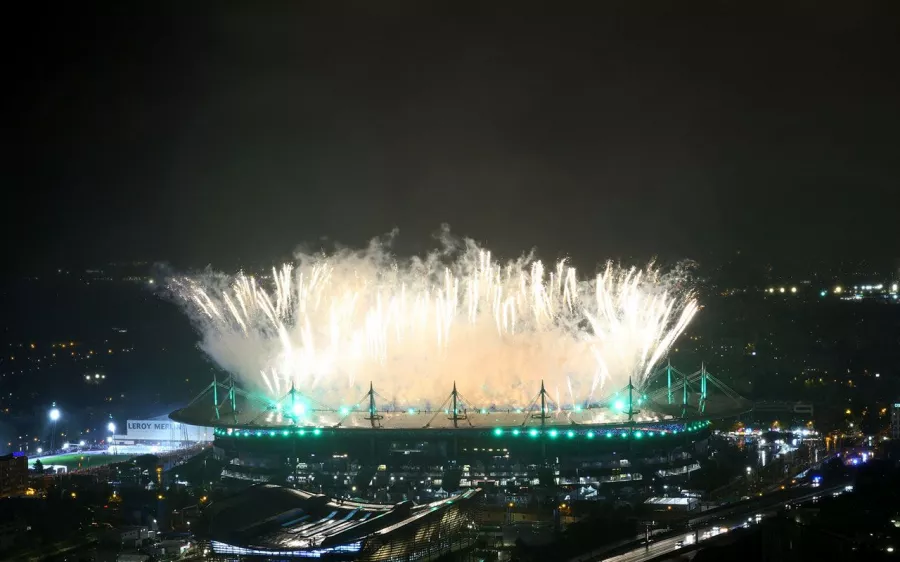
point(331, 323)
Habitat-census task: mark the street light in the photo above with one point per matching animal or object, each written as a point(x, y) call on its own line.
point(54, 417)
point(112, 430)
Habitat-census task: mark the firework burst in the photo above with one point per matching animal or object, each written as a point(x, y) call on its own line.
point(329, 324)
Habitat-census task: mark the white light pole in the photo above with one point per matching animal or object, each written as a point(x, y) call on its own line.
point(54, 417)
point(112, 430)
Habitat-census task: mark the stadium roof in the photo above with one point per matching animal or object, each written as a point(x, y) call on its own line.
point(267, 519)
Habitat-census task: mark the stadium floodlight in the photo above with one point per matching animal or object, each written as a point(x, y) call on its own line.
point(111, 427)
point(297, 409)
point(54, 414)
point(81, 443)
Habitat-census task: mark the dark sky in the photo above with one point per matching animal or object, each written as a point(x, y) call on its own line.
point(220, 134)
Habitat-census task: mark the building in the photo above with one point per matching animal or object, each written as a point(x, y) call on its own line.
point(895, 421)
point(158, 435)
point(13, 474)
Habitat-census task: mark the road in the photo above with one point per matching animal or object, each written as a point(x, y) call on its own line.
point(708, 527)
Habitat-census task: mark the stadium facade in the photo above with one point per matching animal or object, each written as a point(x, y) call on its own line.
point(376, 451)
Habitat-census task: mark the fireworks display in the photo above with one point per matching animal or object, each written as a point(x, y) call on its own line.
point(327, 325)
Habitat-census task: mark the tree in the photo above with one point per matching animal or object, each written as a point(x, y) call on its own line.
point(38, 467)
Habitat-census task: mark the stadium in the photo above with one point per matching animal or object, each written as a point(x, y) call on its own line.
point(631, 435)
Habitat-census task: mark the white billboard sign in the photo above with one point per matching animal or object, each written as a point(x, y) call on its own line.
point(167, 430)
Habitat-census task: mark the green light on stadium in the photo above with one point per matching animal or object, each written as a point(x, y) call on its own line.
point(344, 410)
point(619, 405)
point(317, 432)
point(553, 434)
point(570, 434)
point(590, 434)
point(285, 433)
point(624, 435)
point(532, 433)
point(483, 411)
point(498, 432)
point(301, 433)
point(650, 434)
point(515, 432)
point(639, 434)
point(259, 433)
point(577, 409)
point(411, 411)
point(608, 434)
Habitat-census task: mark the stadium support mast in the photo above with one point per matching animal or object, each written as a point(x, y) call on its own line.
point(631, 410)
point(543, 415)
point(456, 417)
point(669, 379)
point(231, 396)
point(216, 394)
point(373, 413)
point(702, 404)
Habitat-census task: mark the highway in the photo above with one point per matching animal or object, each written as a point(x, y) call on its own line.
point(706, 527)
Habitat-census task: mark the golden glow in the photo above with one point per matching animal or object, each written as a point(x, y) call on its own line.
point(838, 290)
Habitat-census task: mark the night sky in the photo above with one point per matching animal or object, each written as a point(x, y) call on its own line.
point(211, 134)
